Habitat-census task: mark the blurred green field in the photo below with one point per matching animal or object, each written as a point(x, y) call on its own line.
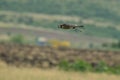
point(101, 18)
point(11, 19)
point(35, 17)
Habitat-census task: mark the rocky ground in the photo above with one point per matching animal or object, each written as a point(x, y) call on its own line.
point(31, 55)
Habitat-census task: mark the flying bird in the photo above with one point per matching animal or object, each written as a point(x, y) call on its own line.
point(69, 26)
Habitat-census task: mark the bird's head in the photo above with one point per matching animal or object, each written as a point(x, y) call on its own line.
point(60, 26)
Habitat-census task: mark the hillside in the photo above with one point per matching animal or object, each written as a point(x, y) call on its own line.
point(105, 9)
point(101, 18)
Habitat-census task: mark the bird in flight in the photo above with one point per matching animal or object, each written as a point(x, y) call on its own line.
point(69, 26)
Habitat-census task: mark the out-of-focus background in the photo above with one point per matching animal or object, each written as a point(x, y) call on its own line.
point(32, 46)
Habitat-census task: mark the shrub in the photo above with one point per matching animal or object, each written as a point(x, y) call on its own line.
point(65, 65)
point(17, 39)
point(83, 66)
point(76, 66)
point(115, 70)
point(101, 67)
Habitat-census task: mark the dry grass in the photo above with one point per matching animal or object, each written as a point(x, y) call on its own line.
point(12, 73)
point(4, 37)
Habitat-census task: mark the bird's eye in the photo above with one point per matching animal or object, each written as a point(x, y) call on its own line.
point(73, 27)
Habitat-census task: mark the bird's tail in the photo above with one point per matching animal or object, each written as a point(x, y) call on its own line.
point(81, 26)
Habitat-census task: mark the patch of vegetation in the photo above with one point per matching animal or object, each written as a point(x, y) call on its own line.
point(17, 39)
point(84, 66)
point(81, 65)
point(101, 67)
point(113, 45)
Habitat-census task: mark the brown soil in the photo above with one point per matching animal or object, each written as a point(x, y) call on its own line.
point(31, 55)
